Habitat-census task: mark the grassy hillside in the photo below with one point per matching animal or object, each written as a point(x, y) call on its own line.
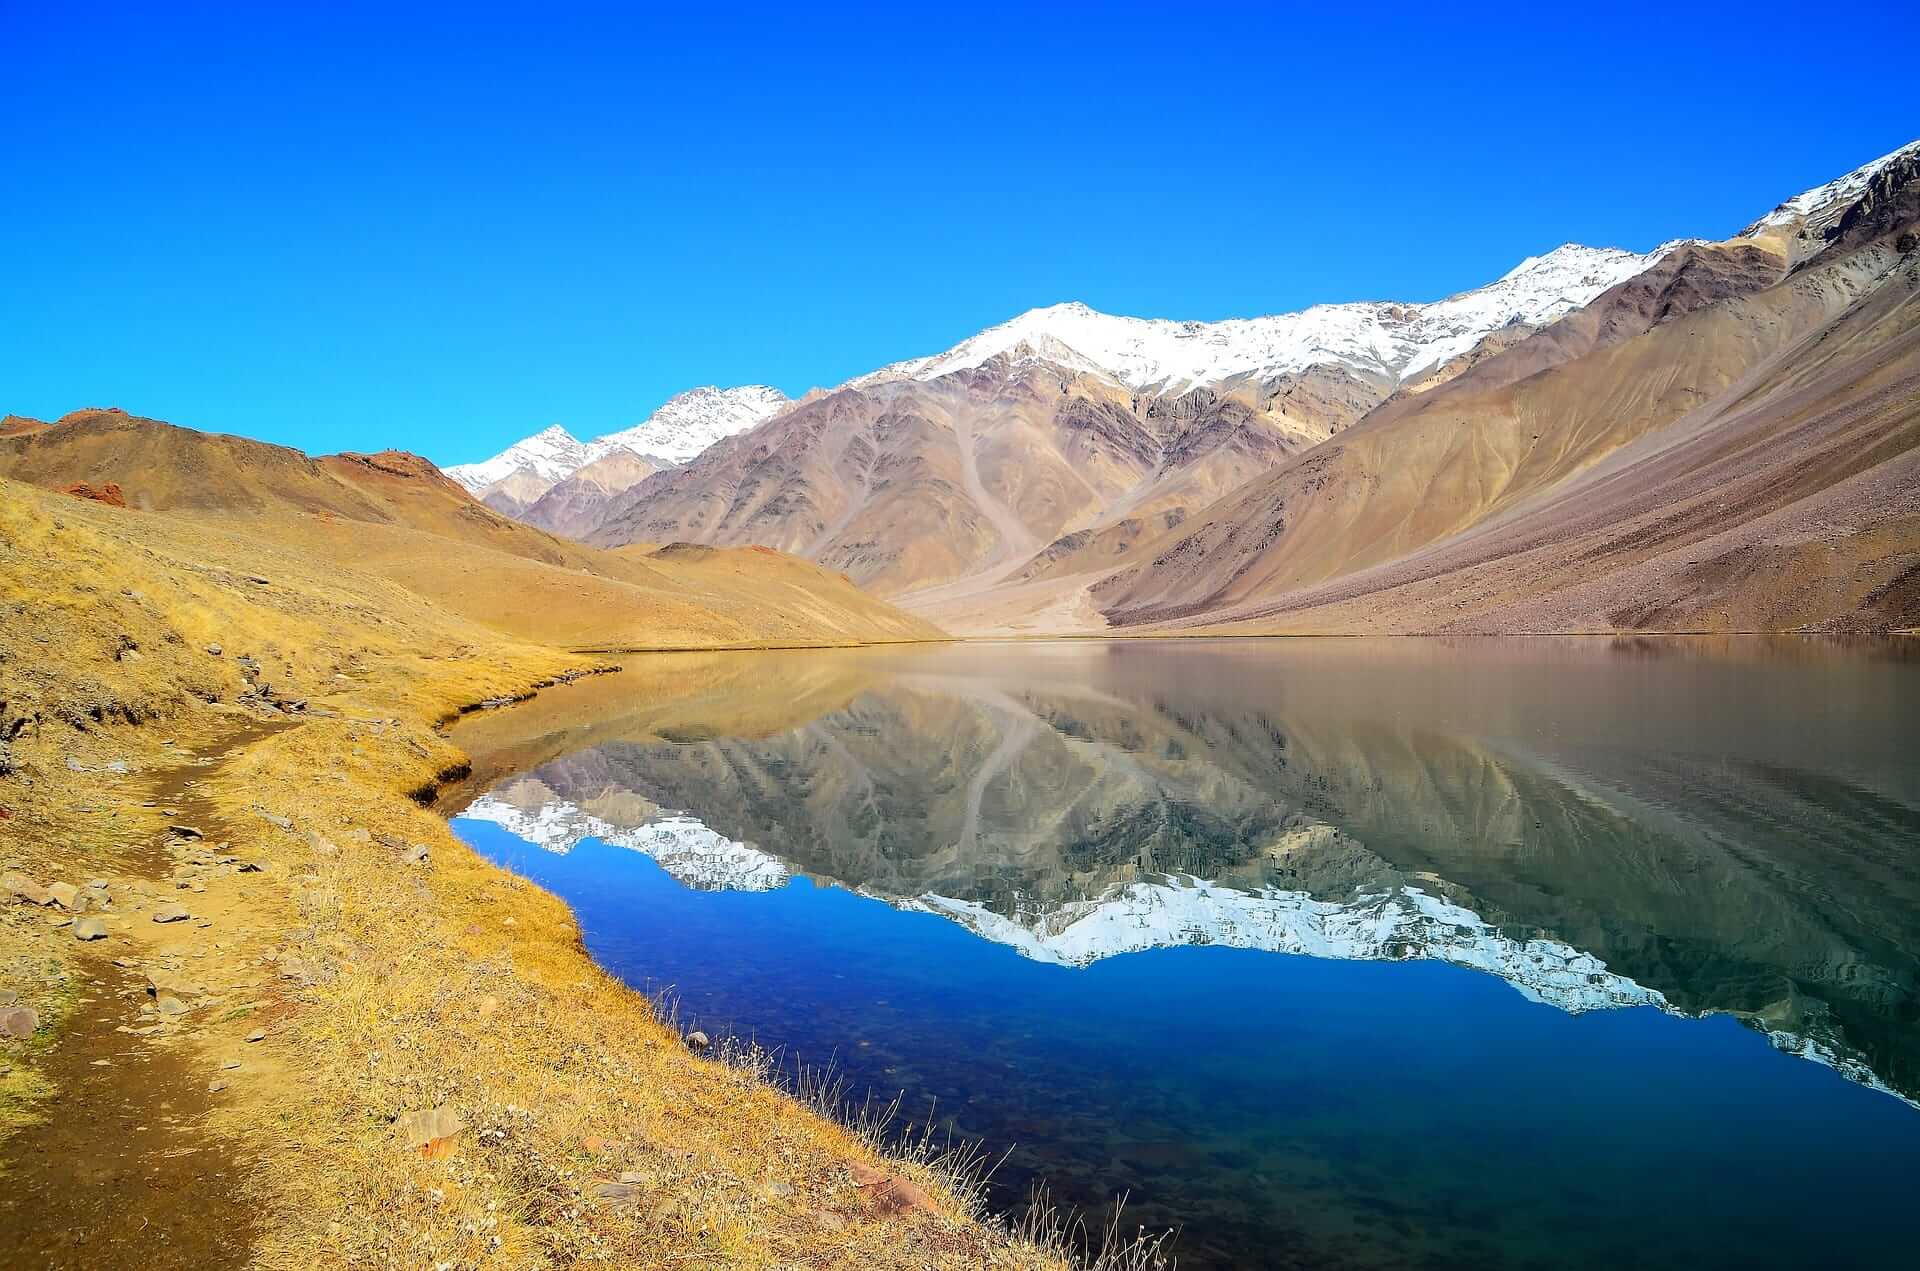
point(394, 517)
point(361, 1044)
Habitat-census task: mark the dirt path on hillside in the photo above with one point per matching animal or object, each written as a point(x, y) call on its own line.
point(127, 1167)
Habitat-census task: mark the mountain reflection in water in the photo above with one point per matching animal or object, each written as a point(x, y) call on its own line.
point(1698, 827)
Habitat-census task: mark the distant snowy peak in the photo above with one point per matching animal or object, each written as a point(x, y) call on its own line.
point(672, 435)
point(1395, 341)
point(1825, 203)
point(552, 454)
point(695, 420)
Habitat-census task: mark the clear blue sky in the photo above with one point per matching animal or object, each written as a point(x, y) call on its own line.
point(444, 231)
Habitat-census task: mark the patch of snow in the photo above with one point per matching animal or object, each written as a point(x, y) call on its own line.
point(1826, 202)
point(673, 435)
point(1394, 341)
point(552, 454)
point(694, 420)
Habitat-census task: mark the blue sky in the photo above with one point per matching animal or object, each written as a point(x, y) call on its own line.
point(443, 231)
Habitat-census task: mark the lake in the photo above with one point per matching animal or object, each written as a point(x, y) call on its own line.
point(1329, 953)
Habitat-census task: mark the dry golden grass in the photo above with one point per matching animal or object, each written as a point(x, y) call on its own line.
point(385, 987)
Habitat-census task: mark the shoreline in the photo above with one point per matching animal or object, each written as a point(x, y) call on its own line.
point(301, 1177)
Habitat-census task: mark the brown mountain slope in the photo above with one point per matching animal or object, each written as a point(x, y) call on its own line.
point(908, 485)
point(1746, 464)
point(395, 517)
point(576, 506)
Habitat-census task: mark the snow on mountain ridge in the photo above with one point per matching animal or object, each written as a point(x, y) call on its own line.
point(687, 424)
point(552, 454)
point(1832, 198)
point(693, 420)
point(1394, 340)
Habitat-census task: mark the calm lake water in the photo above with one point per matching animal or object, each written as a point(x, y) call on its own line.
point(1328, 953)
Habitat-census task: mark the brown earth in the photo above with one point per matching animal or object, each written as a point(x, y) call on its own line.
point(394, 516)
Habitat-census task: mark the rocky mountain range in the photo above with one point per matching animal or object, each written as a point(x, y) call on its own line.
point(516, 480)
point(1712, 435)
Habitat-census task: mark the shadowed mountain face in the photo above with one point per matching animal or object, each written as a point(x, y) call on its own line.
point(1705, 830)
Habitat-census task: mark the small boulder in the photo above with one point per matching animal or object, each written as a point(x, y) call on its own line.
point(64, 894)
point(184, 832)
point(18, 1021)
point(257, 1035)
point(618, 1197)
point(168, 1004)
point(698, 1041)
point(897, 1195)
point(171, 913)
point(431, 1132)
point(214, 650)
point(89, 929)
point(24, 888)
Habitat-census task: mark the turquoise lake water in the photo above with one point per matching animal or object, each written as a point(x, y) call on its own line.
point(1325, 953)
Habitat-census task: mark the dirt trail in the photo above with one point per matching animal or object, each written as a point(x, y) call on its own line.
point(127, 1167)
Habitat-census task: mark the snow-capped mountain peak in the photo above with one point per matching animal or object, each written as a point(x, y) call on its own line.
point(1391, 340)
point(678, 431)
point(693, 420)
point(1824, 203)
point(552, 454)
